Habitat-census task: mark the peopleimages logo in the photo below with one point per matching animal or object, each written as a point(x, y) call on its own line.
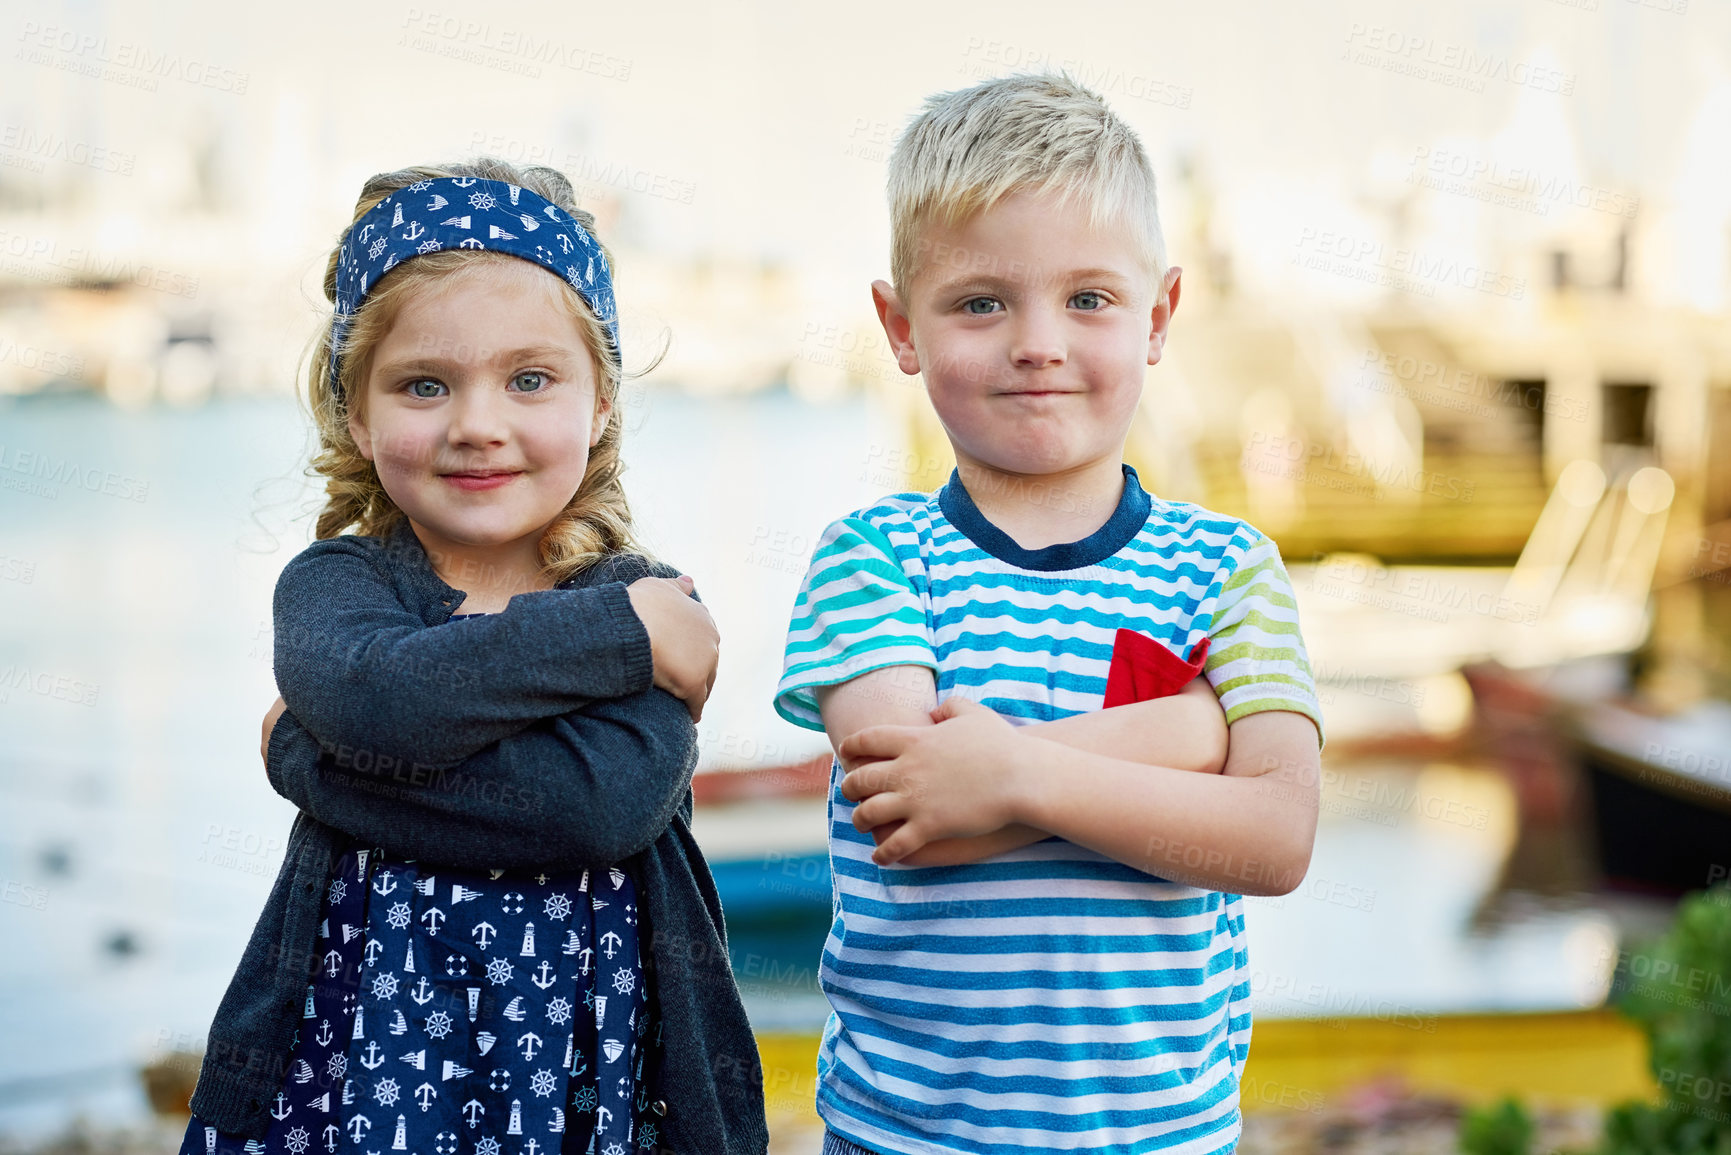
point(1444, 62)
point(1266, 452)
point(42, 472)
point(983, 59)
point(120, 61)
point(1512, 186)
point(1412, 270)
point(41, 360)
point(1458, 388)
point(37, 147)
point(76, 264)
point(505, 49)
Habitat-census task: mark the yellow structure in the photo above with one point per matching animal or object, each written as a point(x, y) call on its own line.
point(1557, 1059)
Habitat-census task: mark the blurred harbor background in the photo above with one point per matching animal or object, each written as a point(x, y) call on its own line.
point(1455, 331)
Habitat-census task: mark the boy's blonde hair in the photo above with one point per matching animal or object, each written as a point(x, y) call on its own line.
point(597, 520)
point(970, 148)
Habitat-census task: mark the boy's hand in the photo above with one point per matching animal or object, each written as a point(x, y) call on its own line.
point(956, 779)
point(682, 637)
point(270, 717)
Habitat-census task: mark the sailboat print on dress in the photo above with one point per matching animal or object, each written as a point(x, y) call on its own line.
point(454, 1105)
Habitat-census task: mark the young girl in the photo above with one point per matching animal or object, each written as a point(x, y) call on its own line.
point(492, 933)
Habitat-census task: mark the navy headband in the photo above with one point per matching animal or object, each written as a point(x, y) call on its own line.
point(465, 212)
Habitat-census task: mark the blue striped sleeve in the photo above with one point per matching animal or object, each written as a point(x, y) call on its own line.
point(857, 611)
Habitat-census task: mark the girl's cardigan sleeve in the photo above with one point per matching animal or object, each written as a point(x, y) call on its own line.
point(360, 668)
point(585, 784)
point(586, 789)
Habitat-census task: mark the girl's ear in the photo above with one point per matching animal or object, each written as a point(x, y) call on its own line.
point(362, 435)
point(603, 414)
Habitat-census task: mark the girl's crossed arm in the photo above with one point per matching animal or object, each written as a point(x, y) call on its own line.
point(359, 668)
point(584, 789)
point(586, 784)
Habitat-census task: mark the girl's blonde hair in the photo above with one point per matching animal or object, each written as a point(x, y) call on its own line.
point(596, 521)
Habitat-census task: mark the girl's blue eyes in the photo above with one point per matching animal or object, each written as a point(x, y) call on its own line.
point(1087, 301)
point(539, 379)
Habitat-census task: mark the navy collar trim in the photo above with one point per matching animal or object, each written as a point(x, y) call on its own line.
point(1120, 529)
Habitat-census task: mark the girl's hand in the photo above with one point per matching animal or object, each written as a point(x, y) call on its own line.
point(270, 717)
point(957, 779)
point(682, 637)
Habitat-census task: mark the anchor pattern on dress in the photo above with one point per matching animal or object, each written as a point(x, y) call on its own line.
point(307, 1113)
point(466, 1014)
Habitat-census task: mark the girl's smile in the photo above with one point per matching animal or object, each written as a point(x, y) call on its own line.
point(478, 481)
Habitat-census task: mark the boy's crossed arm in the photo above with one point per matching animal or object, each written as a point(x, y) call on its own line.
point(1185, 731)
point(971, 776)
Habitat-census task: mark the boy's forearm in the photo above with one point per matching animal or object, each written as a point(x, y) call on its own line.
point(1186, 731)
point(1243, 834)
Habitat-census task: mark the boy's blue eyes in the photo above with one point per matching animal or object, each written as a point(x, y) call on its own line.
point(539, 381)
point(1087, 301)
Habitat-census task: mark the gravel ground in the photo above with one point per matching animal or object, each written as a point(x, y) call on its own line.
point(1374, 1120)
point(1384, 1119)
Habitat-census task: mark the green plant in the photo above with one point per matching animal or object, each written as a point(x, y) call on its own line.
point(1642, 1129)
point(1679, 989)
point(1501, 1129)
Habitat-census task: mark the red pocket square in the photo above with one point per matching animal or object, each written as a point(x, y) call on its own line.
point(1142, 669)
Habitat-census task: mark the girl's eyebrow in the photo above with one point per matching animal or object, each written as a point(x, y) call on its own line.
point(486, 356)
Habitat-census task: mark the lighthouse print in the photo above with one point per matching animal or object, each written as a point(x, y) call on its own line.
point(494, 1037)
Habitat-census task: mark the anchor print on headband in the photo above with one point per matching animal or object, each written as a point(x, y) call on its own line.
point(468, 213)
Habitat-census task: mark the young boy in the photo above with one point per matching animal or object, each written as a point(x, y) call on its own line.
point(1045, 950)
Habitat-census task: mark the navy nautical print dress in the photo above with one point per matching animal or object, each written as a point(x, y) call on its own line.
point(463, 1013)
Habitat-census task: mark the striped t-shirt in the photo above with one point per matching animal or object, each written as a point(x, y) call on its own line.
point(1050, 998)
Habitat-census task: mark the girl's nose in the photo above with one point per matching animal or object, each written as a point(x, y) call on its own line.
point(477, 417)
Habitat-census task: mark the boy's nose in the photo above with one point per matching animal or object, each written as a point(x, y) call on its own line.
point(1037, 341)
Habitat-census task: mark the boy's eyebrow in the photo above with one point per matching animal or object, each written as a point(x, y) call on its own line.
point(1098, 275)
point(967, 280)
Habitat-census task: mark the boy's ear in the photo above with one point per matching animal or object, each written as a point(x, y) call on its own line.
point(1164, 306)
point(897, 328)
